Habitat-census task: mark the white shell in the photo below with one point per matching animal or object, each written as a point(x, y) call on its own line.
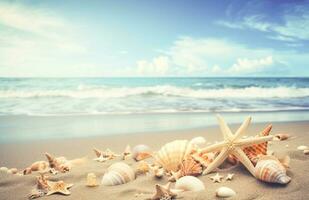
point(140, 149)
point(189, 183)
point(172, 154)
point(118, 173)
point(302, 147)
point(4, 170)
point(197, 141)
point(225, 192)
point(91, 180)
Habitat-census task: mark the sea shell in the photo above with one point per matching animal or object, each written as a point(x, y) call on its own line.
point(225, 192)
point(60, 163)
point(197, 141)
point(302, 148)
point(118, 173)
point(42, 183)
point(171, 155)
point(91, 180)
point(269, 169)
point(204, 158)
point(36, 166)
point(189, 183)
point(157, 171)
point(36, 193)
point(142, 167)
point(12, 171)
point(4, 170)
point(127, 152)
point(282, 136)
point(190, 167)
point(141, 152)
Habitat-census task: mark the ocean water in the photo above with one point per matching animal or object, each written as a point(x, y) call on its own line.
point(35, 108)
point(28, 96)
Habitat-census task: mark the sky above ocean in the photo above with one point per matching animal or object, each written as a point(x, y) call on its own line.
point(55, 38)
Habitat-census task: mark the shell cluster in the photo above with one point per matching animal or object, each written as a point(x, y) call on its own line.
point(171, 155)
point(117, 174)
point(269, 169)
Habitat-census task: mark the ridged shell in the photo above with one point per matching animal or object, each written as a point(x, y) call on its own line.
point(225, 192)
point(254, 151)
point(204, 158)
point(189, 183)
point(118, 173)
point(190, 167)
point(172, 154)
point(269, 169)
point(141, 152)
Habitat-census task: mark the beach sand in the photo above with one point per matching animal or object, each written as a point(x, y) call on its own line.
point(21, 155)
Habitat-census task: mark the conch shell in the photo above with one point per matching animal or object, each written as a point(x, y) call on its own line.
point(269, 169)
point(60, 163)
point(171, 155)
point(189, 183)
point(141, 152)
point(38, 166)
point(118, 173)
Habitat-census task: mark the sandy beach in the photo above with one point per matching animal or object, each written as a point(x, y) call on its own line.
point(22, 154)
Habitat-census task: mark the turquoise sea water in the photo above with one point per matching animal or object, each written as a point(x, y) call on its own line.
point(99, 106)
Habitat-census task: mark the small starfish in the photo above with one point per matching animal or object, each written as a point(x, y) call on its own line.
point(163, 191)
point(233, 144)
point(58, 187)
point(229, 177)
point(217, 178)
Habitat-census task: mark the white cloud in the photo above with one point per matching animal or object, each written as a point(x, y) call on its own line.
point(34, 40)
point(295, 25)
point(213, 57)
point(159, 66)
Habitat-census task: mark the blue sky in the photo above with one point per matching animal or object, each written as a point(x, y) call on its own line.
point(154, 38)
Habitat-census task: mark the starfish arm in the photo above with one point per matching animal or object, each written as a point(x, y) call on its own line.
point(226, 131)
point(250, 141)
point(214, 147)
point(242, 157)
point(242, 129)
point(217, 161)
point(65, 192)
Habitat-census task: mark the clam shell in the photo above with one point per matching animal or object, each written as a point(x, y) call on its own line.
point(302, 148)
point(141, 152)
point(171, 155)
point(118, 173)
point(269, 169)
point(225, 192)
point(189, 183)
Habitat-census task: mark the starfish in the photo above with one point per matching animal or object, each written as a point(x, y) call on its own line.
point(233, 144)
point(58, 187)
point(217, 178)
point(163, 191)
point(229, 177)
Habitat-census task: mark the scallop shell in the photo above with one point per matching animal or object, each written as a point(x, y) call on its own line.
point(190, 167)
point(118, 173)
point(189, 183)
point(225, 192)
point(269, 169)
point(171, 155)
point(141, 152)
point(204, 158)
point(91, 180)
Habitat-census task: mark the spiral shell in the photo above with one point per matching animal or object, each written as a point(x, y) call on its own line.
point(172, 154)
point(189, 183)
point(118, 173)
point(141, 152)
point(269, 169)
